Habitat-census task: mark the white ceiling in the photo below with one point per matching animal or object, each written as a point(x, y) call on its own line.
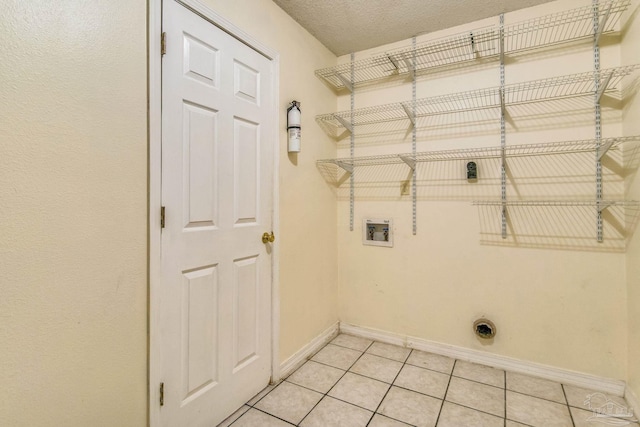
point(345, 26)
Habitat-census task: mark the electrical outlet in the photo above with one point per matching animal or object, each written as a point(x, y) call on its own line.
point(405, 188)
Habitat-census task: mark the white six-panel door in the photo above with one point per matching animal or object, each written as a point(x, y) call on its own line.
point(217, 177)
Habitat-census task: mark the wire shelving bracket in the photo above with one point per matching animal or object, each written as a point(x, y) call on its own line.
point(598, 90)
point(503, 139)
point(412, 163)
point(347, 125)
point(347, 167)
point(409, 160)
point(352, 146)
point(345, 82)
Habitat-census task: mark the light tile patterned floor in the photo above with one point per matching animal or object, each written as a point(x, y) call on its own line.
point(355, 382)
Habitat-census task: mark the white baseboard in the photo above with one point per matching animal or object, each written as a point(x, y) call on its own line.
point(564, 376)
point(301, 356)
point(632, 399)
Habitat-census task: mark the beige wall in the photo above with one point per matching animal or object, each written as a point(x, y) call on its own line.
point(556, 295)
point(308, 267)
point(73, 240)
point(74, 205)
point(631, 55)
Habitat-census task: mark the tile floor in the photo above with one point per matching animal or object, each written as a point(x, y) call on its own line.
point(354, 382)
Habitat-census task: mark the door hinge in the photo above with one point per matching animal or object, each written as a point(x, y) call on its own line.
point(163, 43)
point(161, 394)
point(162, 217)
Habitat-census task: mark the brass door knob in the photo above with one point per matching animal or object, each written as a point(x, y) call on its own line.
point(268, 238)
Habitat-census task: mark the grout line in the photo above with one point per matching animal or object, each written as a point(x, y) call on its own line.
point(339, 379)
point(391, 385)
point(388, 417)
point(344, 346)
point(446, 391)
point(478, 382)
point(505, 398)
point(326, 364)
point(265, 395)
point(310, 389)
point(369, 378)
point(389, 358)
point(419, 392)
point(271, 415)
point(231, 423)
point(519, 422)
point(473, 409)
point(564, 393)
point(432, 370)
point(537, 397)
point(336, 398)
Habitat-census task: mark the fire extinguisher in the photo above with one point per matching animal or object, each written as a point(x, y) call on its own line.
point(293, 126)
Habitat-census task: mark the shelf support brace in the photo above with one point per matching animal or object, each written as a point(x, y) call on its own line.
point(344, 81)
point(603, 85)
point(411, 68)
point(409, 114)
point(602, 25)
point(410, 161)
point(348, 126)
point(603, 205)
point(394, 62)
point(344, 165)
point(602, 150)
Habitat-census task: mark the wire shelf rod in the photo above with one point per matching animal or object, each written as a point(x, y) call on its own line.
point(600, 205)
point(603, 24)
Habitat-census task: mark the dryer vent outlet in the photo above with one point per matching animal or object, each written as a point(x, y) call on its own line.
point(484, 328)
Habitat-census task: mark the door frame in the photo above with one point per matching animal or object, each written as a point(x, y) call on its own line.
point(154, 89)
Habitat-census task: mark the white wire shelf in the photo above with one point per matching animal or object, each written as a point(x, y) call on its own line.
point(562, 27)
point(599, 204)
point(333, 169)
point(574, 85)
point(460, 48)
point(479, 44)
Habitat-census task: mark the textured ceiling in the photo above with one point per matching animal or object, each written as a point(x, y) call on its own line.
point(346, 26)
